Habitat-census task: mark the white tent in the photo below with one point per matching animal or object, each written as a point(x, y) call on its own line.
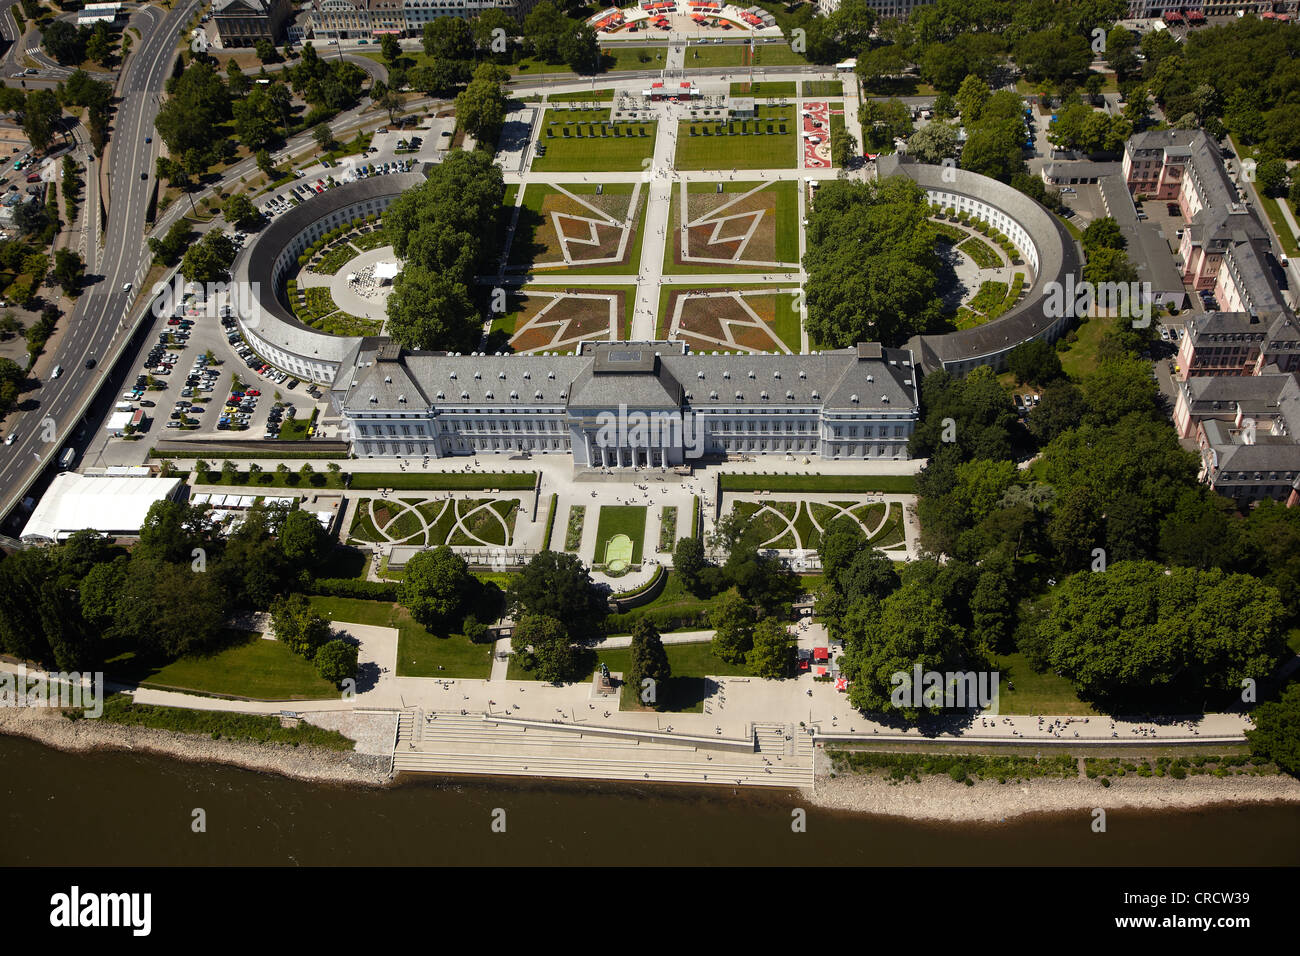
point(386, 271)
point(113, 505)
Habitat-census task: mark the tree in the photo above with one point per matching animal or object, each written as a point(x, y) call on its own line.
point(436, 586)
point(324, 136)
point(432, 311)
point(1103, 233)
point(390, 49)
point(1271, 176)
point(336, 661)
point(197, 104)
point(239, 210)
point(303, 541)
point(842, 540)
point(40, 116)
point(894, 636)
point(448, 38)
point(934, 143)
point(558, 585)
point(871, 263)
point(994, 149)
point(1035, 361)
point(1276, 734)
point(688, 562)
point(773, 650)
point(209, 259)
point(65, 42)
point(1060, 408)
point(732, 619)
point(649, 661)
point(297, 626)
point(265, 163)
point(1109, 265)
point(391, 102)
point(579, 49)
point(1053, 54)
point(69, 271)
point(481, 110)
point(1121, 55)
point(552, 654)
point(971, 97)
point(1119, 388)
point(1155, 638)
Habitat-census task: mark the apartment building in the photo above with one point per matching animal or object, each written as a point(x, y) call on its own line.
point(1224, 248)
point(1145, 9)
point(1238, 343)
point(367, 19)
point(1245, 428)
point(887, 9)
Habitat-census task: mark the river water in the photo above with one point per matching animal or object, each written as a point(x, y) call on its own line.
point(117, 808)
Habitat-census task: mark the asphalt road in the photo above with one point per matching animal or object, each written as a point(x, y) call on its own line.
point(95, 327)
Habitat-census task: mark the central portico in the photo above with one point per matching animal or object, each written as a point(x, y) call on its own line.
point(626, 409)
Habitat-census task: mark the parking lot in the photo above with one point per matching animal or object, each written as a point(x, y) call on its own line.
point(327, 174)
point(391, 151)
point(184, 380)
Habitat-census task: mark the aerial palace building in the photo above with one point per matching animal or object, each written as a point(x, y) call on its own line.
point(629, 404)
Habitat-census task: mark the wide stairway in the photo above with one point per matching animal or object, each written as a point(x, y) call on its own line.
point(452, 743)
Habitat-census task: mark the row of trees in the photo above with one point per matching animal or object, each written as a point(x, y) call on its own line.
point(264, 114)
point(946, 41)
point(80, 603)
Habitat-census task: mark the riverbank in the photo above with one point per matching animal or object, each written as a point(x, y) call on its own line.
point(940, 799)
point(312, 764)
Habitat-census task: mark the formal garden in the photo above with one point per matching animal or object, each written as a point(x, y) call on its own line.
point(472, 522)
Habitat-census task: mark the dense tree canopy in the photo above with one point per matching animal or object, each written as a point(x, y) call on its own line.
point(871, 263)
point(1142, 636)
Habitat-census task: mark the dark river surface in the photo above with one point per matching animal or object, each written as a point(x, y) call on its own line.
point(124, 809)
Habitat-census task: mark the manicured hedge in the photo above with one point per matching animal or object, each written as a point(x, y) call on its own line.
point(355, 588)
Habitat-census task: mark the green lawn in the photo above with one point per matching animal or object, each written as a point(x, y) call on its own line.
point(215, 725)
point(1035, 693)
point(585, 96)
point(823, 87)
point(731, 54)
point(886, 484)
point(581, 141)
point(785, 227)
point(420, 653)
point(523, 249)
point(248, 667)
point(294, 429)
point(622, 57)
point(1080, 359)
point(765, 88)
point(621, 519)
point(444, 481)
point(673, 599)
point(688, 687)
point(734, 150)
